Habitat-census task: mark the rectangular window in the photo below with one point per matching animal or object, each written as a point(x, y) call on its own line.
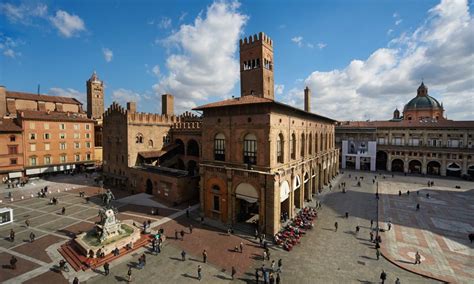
point(88, 157)
point(216, 205)
point(77, 145)
point(76, 126)
point(47, 136)
point(32, 136)
point(88, 127)
point(13, 161)
point(88, 135)
point(32, 161)
point(62, 135)
point(77, 158)
point(32, 147)
point(12, 150)
point(279, 151)
point(88, 144)
point(32, 125)
point(46, 126)
point(63, 159)
point(219, 149)
point(396, 141)
point(381, 141)
point(77, 135)
point(250, 151)
point(62, 146)
point(47, 160)
point(47, 146)
point(62, 126)
point(12, 138)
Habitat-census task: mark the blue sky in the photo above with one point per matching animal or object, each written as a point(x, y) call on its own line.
point(360, 58)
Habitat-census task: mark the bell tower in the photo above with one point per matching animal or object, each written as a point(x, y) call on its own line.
point(95, 97)
point(256, 66)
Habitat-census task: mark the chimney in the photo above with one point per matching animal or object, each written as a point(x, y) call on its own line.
point(3, 101)
point(307, 99)
point(41, 106)
point(167, 104)
point(132, 107)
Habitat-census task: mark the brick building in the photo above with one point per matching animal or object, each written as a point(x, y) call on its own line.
point(11, 149)
point(421, 141)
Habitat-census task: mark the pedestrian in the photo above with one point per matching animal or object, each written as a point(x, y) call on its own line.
point(32, 237)
point(13, 262)
point(129, 274)
point(383, 276)
point(389, 224)
point(371, 236)
point(418, 207)
point(12, 235)
point(256, 275)
point(397, 281)
point(182, 235)
point(187, 212)
point(272, 279)
point(241, 247)
point(272, 265)
point(144, 259)
point(202, 220)
point(408, 192)
point(357, 229)
point(63, 210)
point(190, 229)
point(175, 234)
point(371, 223)
point(199, 272)
point(471, 237)
point(377, 253)
point(256, 234)
point(417, 258)
point(183, 255)
point(27, 223)
point(268, 254)
point(204, 256)
point(278, 278)
point(280, 264)
point(75, 280)
point(264, 255)
point(233, 272)
point(106, 268)
point(335, 227)
point(428, 195)
point(347, 215)
point(399, 193)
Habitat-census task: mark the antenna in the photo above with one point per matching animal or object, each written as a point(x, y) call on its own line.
point(39, 88)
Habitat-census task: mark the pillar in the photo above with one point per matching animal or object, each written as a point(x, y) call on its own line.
point(464, 165)
point(389, 162)
point(231, 216)
point(291, 197)
point(443, 164)
point(424, 164)
point(357, 162)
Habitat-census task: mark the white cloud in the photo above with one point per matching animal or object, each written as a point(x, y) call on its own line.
point(279, 89)
point(390, 31)
point(10, 53)
point(23, 13)
point(440, 51)
point(298, 40)
point(156, 70)
point(123, 96)
point(322, 45)
point(395, 15)
point(9, 46)
point(183, 16)
point(67, 24)
point(68, 92)
point(204, 65)
point(108, 54)
point(398, 22)
point(165, 23)
point(310, 45)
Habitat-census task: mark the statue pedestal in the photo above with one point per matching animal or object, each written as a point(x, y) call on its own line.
point(87, 243)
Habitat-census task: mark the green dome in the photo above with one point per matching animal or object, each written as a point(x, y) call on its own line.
point(426, 101)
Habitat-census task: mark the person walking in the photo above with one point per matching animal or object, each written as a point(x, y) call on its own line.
point(397, 281)
point(371, 237)
point(183, 255)
point(389, 225)
point(63, 211)
point(256, 275)
point(347, 215)
point(233, 272)
point(106, 268)
point(383, 276)
point(182, 235)
point(278, 279)
point(377, 252)
point(272, 265)
point(264, 255)
point(13, 262)
point(175, 234)
point(199, 272)
point(357, 229)
point(190, 229)
point(335, 227)
point(204, 256)
point(241, 247)
point(129, 274)
point(418, 207)
point(256, 234)
point(12, 235)
point(268, 255)
point(32, 237)
point(27, 223)
point(371, 223)
point(187, 212)
point(280, 264)
point(75, 280)
point(417, 258)
point(399, 193)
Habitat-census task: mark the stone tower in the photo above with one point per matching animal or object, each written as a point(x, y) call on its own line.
point(256, 66)
point(167, 104)
point(307, 99)
point(95, 97)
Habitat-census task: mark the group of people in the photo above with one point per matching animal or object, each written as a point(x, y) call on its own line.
point(269, 275)
point(293, 232)
point(43, 192)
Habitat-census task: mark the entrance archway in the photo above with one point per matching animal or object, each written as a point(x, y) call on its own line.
point(246, 203)
point(470, 171)
point(284, 198)
point(414, 167)
point(297, 191)
point(397, 165)
point(433, 168)
point(381, 161)
point(453, 170)
point(307, 189)
point(180, 149)
point(149, 186)
point(192, 148)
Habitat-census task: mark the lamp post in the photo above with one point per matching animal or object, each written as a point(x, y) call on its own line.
point(377, 213)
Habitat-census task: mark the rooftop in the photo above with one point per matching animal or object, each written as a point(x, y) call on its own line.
point(9, 125)
point(43, 98)
point(53, 115)
point(407, 124)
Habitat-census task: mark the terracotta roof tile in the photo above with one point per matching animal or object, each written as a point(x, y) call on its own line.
point(407, 124)
point(9, 125)
point(44, 98)
point(53, 115)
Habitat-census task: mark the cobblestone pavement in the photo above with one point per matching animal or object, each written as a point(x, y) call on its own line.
point(438, 231)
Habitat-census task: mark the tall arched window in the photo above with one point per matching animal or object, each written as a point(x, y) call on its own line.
point(139, 138)
point(293, 146)
point(310, 144)
point(150, 143)
point(280, 147)
point(320, 142)
point(250, 149)
point(303, 144)
point(219, 147)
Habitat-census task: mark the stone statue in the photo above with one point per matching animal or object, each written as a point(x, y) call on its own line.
point(107, 198)
point(109, 225)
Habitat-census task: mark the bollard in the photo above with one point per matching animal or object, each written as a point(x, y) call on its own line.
point(59, 191)
point(22, 197)
point(11, 199)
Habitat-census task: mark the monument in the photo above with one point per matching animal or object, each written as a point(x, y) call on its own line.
point(109, 233)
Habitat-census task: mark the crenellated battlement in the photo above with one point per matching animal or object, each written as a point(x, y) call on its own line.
point(257, 39)
point(144, 117)
point(115, 108)
point(188, 116)
point(195, 125)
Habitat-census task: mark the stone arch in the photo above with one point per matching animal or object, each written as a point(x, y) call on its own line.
point(306, 186)
point(381, 160)
point(414, 167)
point(285, 197)
point(453, 169)
point(280, 148)
point(139, 138)
point(293, 146)
point(470, 170)
point(433, 168)
point(397, 165)
point(180, 144)
point(297, 187)
point(150, 143)
point(247, 192)
point(192, 148)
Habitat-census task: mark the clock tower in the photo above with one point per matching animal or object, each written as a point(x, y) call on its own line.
point(95, 97)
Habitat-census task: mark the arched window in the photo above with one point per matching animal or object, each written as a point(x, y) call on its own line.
point(320, 142)
point(310, 144)
point(293, 146)
point(12, 138)
point(303, 144)
point(166, 139)
point(139, 138)
point(150, 143)
point(280, 147)
point(250, 149)
point(193, 148)
point(219, 147)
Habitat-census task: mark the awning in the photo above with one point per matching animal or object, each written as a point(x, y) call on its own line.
point(284, 191)
point(15, 175)
point(246, 192)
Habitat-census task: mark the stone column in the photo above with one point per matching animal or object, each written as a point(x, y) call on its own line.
point(231, 218)
point(202, 188)
point(291, 198)
point(424, 164)
point(389, 161)
point(357, 162)
point(405, 163)
point(443, 164)
point(464, 165)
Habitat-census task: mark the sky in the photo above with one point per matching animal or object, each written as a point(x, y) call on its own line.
point(361, 59)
